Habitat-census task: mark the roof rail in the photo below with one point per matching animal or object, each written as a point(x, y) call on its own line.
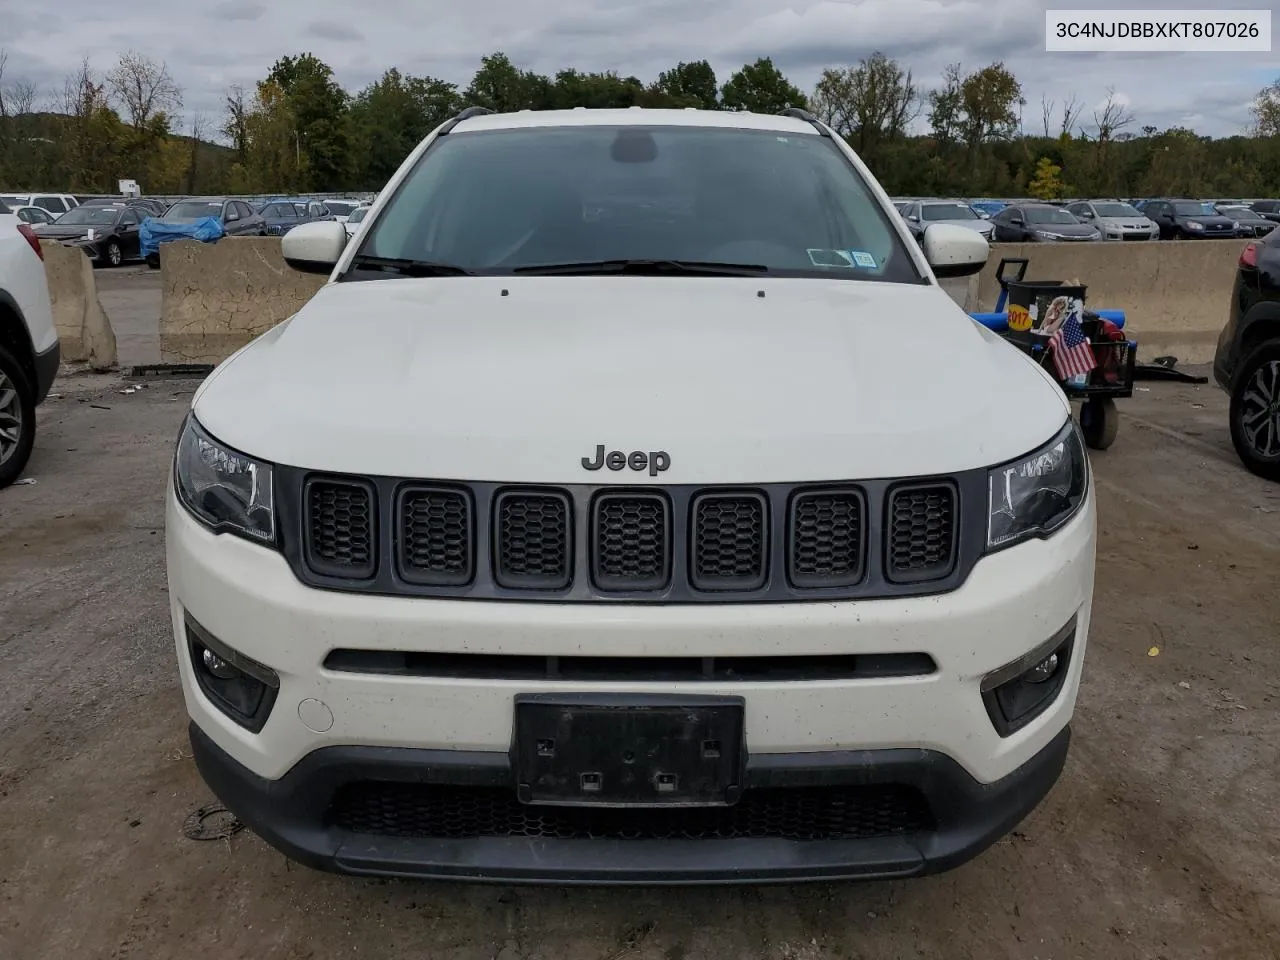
point(466, 114)
point(806, 116)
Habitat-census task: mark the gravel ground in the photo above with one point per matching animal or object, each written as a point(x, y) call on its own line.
point(1159, 842)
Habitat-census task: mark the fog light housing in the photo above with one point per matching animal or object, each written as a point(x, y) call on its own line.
point(1020, 691)
point(239, 686)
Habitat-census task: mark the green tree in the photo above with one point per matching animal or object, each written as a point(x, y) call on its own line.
point(1047, 183)
point(390, 117)
point(500, 85)
point(761, 88)
point(689, 85)
point(319, 107)
point(1266, 111)
point(869, 104)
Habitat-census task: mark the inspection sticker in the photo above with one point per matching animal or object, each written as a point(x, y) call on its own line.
point(862, 259)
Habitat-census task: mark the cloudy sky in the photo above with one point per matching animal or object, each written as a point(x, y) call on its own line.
point(213, 44)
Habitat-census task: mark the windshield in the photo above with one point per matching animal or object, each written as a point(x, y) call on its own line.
point(194, 210)
point(90, 215)
point(280, 210)
point(358, 214)
point(1195, 210)
point(948, 211)
point(13, 200)
point(500, 200)
point(1115, 210)
point(339, 208)
point(1049, 215)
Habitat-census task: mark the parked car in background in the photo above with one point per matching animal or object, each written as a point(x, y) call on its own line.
point(281, 216)
point(341, 209)
point(1247, 361)
point(1182, 219)
point(1040, 223)
point(33, 215)
point(988, 207)
point(1267, 208)
point(146, 206)
point(1251, 224)
point(235, 218)
point(55, 203)
point(108, 235)
point(29, 348)
point(354, 221)
point(1115, 219)
point(924, 214)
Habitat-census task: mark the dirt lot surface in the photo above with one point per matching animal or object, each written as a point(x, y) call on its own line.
point(1159, 842)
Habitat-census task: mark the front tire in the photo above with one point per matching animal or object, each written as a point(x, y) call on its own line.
point(1255, 412)
point(17, 419)
point(113, 256)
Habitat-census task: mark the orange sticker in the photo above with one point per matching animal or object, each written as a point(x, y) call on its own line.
point(1019, 318)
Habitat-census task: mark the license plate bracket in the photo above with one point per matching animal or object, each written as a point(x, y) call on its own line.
point(628, 750)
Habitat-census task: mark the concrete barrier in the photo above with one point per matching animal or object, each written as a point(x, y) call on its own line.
point(84, 332)
point(217, 297)
point(1175, 295)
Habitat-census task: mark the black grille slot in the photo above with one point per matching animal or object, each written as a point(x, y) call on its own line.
point(921, 525)
point(631, 541)
point(436, 536)
point(796, 813)
point(340, 528)
point(730, 541)
point(532, 540)
point(826, 532)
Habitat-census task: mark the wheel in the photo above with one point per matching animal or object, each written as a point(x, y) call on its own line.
point(1099, 422)
point(1255, 411)
point(113, 256)
point(17, 419)
point(153, 261)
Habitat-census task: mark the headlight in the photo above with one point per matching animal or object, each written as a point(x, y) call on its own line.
point(1046, 235)
point(1235, 224)
point(1035, 495)
point(224, 489)
point(1192, 225)
point(1095, 235)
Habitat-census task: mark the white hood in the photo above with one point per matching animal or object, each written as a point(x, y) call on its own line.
point(518, 379)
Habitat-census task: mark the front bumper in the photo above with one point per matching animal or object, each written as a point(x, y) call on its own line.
point(292, 814)
point(328, 727)
point(46, 365)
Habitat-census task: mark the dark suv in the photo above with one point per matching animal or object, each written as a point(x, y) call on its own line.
point(1190, 220)
point(1267, 208)
point(1247, 363)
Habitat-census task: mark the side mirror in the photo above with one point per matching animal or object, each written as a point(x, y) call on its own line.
point(954, 251)
point(913, 218)
point(314, 247)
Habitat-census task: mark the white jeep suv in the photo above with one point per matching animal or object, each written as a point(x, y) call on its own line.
point(29, 348)
point(632, 505)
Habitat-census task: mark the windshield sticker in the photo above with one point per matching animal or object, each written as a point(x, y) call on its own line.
point(861, 258)
point(829, 258)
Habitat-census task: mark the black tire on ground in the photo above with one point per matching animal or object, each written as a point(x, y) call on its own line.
point(153, 262)
point(1099, 422)
point(1250, 406)
point(113, 256)
point(13, 459)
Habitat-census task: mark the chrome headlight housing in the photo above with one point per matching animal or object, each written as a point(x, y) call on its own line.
point(222, 488)
point(1194, 225)
point(1035, 495)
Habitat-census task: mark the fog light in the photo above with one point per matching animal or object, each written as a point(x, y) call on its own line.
point(239, 686)
point(1020, 691)
point(218, 667)
point(1043, 670)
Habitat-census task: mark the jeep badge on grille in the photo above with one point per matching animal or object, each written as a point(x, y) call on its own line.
point(655, 461)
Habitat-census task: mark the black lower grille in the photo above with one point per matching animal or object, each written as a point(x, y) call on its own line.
point(826, 538)
point(800, 813)
point(730, 544)
point(631, 546)
point(532, 540)
point(922, 532)
point(435, 536)
point(339, 528)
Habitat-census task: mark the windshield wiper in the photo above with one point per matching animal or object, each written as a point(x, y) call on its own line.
point(410, 268)
point(705, 268)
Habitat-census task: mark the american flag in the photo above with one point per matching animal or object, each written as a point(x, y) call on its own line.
point(1071, 352)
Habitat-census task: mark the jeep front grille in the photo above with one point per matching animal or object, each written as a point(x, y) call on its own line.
point(668, 544)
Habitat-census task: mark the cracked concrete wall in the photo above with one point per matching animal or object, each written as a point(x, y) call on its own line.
point(84, 332)
point(1176, 296)
point(216, 297)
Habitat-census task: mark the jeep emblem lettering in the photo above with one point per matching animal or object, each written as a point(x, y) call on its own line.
point(655, 461)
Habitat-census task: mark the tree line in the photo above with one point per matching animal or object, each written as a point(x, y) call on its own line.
point(299, 130)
